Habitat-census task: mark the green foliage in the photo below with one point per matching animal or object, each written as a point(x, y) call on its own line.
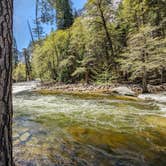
point(19, 73)
point(64, 13)
point(144, 53)
point(105, 44)
point(48, 55)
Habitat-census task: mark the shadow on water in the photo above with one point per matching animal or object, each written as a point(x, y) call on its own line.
point(69, 130)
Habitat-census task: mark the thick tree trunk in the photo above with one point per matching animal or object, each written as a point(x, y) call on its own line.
point(6, 14)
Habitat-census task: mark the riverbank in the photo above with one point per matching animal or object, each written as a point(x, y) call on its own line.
point(122, 89)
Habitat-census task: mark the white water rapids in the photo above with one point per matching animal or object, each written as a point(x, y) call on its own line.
point(75, 130)
point(24, 86)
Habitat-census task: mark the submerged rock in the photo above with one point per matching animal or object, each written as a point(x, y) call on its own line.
point(25, 137)
point(123, 91)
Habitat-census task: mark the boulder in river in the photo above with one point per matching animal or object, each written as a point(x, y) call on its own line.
point(123, 91)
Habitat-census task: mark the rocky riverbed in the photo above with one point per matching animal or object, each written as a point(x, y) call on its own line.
point(59, 129)
point(125, 89)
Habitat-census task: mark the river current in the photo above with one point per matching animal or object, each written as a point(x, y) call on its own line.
point(55, 130)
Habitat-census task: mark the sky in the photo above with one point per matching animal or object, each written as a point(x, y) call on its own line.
point(24, 10)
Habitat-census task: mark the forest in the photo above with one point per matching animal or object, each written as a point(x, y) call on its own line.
point(105, 42)
point(83, 87)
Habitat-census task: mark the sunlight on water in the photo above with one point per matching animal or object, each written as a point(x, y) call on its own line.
point(75, 131)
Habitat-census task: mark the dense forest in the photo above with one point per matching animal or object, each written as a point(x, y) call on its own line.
point(81, 108)
point(105, 42)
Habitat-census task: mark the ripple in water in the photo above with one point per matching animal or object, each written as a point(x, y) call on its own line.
point(68, 130)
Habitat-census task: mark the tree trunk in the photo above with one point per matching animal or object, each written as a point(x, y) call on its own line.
point(30, 31)
point(144, 80)
point(27, 64)
point(144, 69)
point(6, 26)
point(162, 75)
point(87, 77)
point(37, 21)
point(110, 44)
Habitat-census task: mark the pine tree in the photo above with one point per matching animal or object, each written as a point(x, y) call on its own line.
point(144, 55)
point(101, 13)
point(6, 112)
point(64, 14)
point(38, 30)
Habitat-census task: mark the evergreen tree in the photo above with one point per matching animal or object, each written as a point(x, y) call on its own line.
point(145, 51)
point(38, 30)
point(64, 14)
point(101, 13)
point(105, 43)
point(6, 111)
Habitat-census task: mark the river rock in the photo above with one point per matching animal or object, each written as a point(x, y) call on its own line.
point(123, 91)
point(25, 137)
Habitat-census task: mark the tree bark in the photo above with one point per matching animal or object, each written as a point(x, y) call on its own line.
point(6, 112)
point(144, 80)
point(144, 71)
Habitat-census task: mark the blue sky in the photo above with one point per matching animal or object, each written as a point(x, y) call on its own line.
point(24, 10)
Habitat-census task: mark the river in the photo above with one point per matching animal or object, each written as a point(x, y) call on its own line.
point(57, 130)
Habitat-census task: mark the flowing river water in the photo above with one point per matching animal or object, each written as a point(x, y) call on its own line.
point(57, 130)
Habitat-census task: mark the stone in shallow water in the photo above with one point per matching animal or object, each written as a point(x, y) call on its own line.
point(25, 137)
point(33, 141)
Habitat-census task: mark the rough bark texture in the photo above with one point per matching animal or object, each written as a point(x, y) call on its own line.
point(6, 14)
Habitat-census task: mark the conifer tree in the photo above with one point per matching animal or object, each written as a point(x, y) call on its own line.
point(6, 112)
point(64, 14)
